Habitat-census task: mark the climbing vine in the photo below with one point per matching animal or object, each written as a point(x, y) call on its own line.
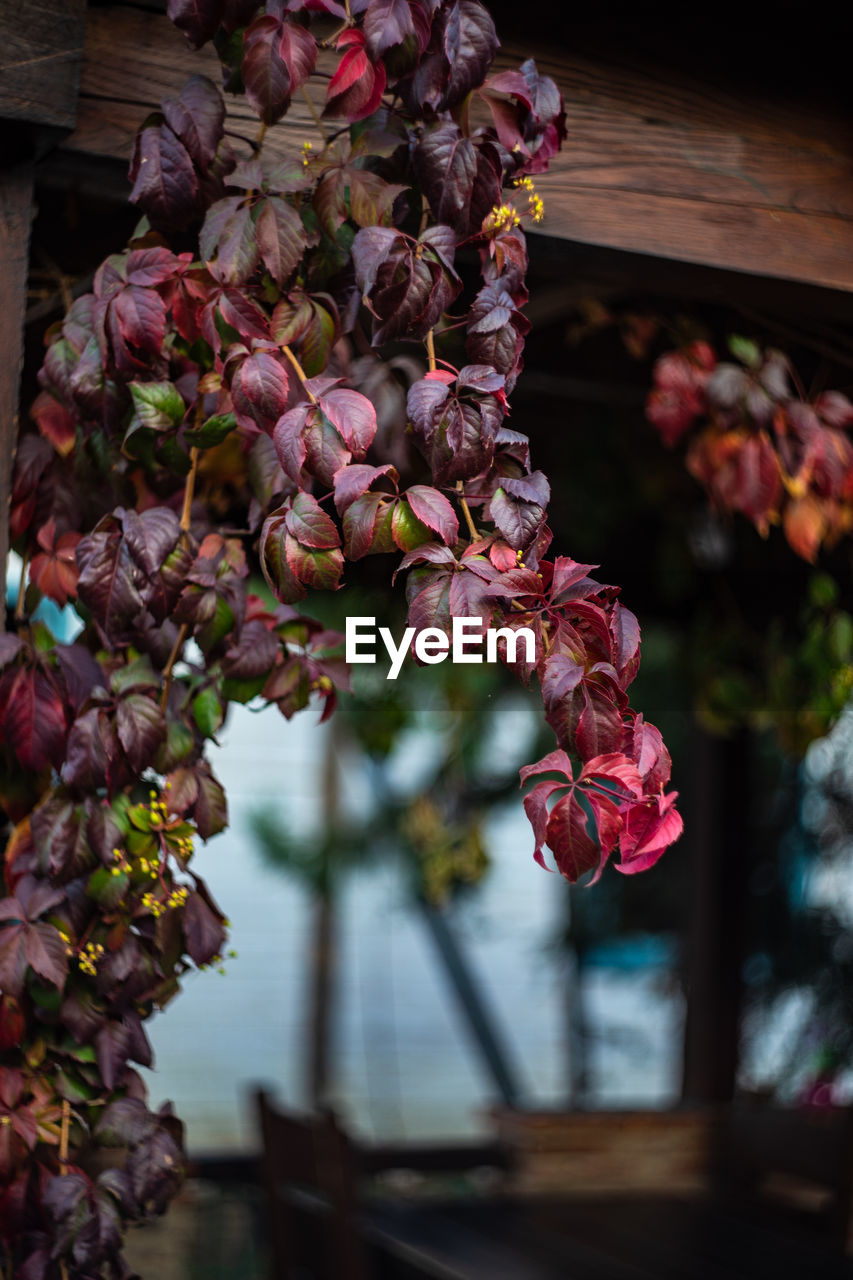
point(295, 364)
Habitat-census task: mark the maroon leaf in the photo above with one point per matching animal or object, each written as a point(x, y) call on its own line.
point(197, 116)
point(259, 390)
point(353, 416)
point(567, 837)
point(34, 721)
point(462, 45)
point(141, 729)
point(198, 19)
point(354, 480)
point(435, 511)
point(165, 184)
point(280, 238)
point(386, 23)
point(306, 520)
point(229, 240)
point(266, 75)
point(203, 930)
point(461, 180)
point(649, 828)
point(536, 808)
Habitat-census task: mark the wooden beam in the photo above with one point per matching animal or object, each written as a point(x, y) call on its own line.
point(41, 47)
point(669, 168)
point(16, 212)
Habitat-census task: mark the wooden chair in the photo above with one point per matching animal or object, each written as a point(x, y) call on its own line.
point(309, 1171)
point(312, 1172)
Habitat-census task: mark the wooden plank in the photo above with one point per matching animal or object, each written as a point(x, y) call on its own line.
point(16, 212)
point(41, 49)
point(607, 1152)
point(664, 168)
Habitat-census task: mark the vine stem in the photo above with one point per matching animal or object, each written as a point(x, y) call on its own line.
point(318, 122)
point(189, 491)
point(63, 1137)
point(429, 342)
point(466, 511)
point(63, 1161)
point(300, 373)
point(259, 138)
point(186, 518)
point(167, 670)
point(20, 612)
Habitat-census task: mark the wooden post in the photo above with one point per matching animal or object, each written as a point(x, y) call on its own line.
point(719, 826)
point(16, 212)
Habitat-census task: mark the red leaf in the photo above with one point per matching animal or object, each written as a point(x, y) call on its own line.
point(306, 521)
point(355, 90)
point(259, 390)
point(359, 523)
point(649, 827)
point(266, 75)
point(280, 238)
point(165, 183)
point(34, 722)
point(536, 808)
point(434, 510)
point(353, 416)
point(197, 116)
point(354, 480)
point(555, 762)
point(567, 837)
point(54, 422)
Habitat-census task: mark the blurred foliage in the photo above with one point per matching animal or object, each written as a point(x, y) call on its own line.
point(799, 910)
point(794, 679)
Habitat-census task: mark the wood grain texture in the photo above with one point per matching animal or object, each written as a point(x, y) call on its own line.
point(668, 168)
point(41, 49)
point(16, 212)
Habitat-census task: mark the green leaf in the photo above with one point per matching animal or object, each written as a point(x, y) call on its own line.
point(207, 711)
point(745, 350)
point(212, 432)
point(406, 529)
point(156, 405)
point(107, 889)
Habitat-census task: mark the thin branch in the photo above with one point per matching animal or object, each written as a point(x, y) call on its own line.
point(63, 1137)
point(430, 346)
point(259, 139)
point(20, 611)
point(460, 493)
point(300, 373)
point(318, 122)
point(189, 491)
point(167, 670)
